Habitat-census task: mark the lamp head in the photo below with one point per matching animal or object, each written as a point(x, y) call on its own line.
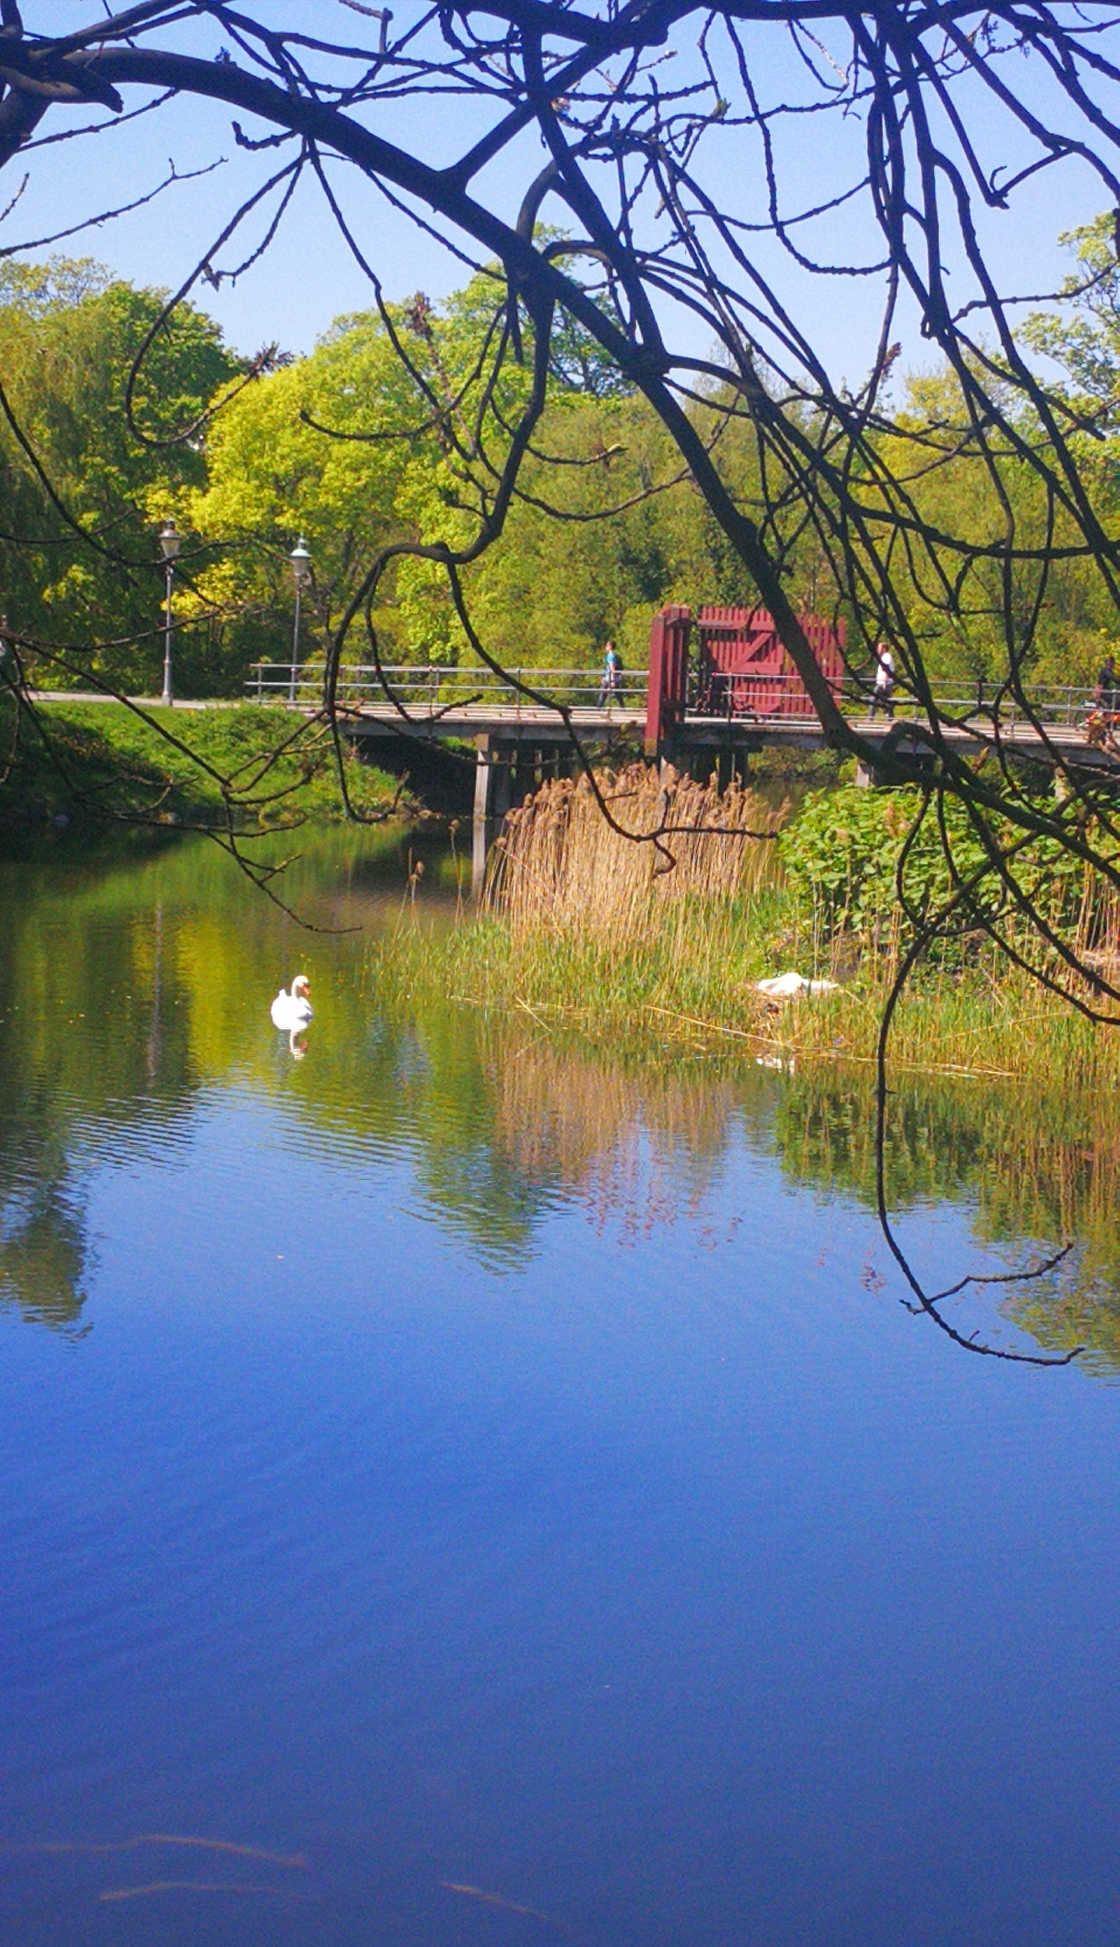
point(300, 559)
point(170, 540)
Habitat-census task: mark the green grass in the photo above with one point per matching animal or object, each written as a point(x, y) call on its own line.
point(99, 763)
point(691, 984)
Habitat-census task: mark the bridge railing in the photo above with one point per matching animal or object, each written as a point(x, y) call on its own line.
point(435, 690)
point(779, 698)
point(1056, 705)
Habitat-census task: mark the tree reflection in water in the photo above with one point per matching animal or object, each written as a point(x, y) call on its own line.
point(44, 1250)
point(1036, 1170)
point(135, 992)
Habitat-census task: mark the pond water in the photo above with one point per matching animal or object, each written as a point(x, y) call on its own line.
point(459, 1490)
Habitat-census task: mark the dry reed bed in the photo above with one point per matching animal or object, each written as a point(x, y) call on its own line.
point(561, 864)
point(582, 931)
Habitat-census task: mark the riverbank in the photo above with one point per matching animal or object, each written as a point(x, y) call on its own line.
point(624, 944)
point(95, 766)
point(697, 990)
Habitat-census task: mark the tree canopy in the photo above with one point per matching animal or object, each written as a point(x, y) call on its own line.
point(79, 492)
point(722, 172)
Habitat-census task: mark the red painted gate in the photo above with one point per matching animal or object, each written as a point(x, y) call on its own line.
point(740, 669)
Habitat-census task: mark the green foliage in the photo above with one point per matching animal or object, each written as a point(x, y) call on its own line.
point(412, 463)
point(271, 475)
point(601, 532)
point(102, 754)
point(964, 610)
point(361, 449)
point(841, 856)
point(1085, 340)
point(68, 336)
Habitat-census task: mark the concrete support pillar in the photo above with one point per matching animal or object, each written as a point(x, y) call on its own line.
point(502, 758)
point(492, 786)
point(480, 826)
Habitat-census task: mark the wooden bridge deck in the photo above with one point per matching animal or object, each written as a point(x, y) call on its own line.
point(492, 726)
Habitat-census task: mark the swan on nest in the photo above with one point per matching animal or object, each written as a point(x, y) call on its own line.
point(292, 1011)
point(791, 986)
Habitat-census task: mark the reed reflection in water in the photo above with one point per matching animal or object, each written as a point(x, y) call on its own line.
point(132, 991)
point(460, 1488)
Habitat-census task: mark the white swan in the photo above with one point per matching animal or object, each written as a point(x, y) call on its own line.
point(292, 1011)
point(791, 986)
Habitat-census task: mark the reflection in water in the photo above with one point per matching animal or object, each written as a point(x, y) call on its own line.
point(152, 1045)
point(429, 1543)
point(1033, 1170)
point(132, 990)
point(43, 1250)
point(640, 1150)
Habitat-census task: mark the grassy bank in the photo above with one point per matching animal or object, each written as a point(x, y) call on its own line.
point(697, 988)
point(96, 764)
point(588, 933)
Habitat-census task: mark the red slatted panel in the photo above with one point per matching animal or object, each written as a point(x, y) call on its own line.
point(743, 670)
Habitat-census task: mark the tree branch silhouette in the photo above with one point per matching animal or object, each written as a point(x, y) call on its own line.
point(653, 180)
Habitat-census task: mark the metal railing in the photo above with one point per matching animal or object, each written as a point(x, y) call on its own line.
point(436, 691)
point(1059, 706)
point(763, 698)
point(432, 691)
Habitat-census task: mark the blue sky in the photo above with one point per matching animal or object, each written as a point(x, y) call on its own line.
point(308, 276)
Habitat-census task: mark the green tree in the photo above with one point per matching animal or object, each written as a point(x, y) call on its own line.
point(1084, 339)
point(68, 337)
point(348, 448)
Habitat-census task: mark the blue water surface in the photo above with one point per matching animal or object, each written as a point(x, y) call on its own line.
point(645, 1577)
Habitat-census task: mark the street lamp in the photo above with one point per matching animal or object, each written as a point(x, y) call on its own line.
point(300, 559)
point(170, 540)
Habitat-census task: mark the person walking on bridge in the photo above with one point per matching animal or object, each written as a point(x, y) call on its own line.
point(611, 684)
point(1107, 693)
point(883, 692)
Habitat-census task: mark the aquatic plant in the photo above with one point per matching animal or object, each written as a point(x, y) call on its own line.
point(560, 864)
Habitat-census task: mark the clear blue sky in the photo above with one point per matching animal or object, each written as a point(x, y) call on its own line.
point(308, 277)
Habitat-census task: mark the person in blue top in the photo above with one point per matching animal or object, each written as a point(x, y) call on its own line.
point(611, 684)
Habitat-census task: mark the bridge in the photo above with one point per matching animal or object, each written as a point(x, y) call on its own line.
point(477, 706)
point(520, 738)
point(720, 685)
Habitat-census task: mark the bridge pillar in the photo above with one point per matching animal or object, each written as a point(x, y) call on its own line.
point(667, 693)
point(492, 788)
point(902, 739)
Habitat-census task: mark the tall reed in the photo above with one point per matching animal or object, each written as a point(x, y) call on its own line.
point(582, 931)
point(560, 864)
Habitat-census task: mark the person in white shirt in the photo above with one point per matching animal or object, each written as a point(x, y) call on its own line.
point(884, 680)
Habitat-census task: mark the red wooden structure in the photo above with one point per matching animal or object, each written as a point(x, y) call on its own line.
point(740, 668)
